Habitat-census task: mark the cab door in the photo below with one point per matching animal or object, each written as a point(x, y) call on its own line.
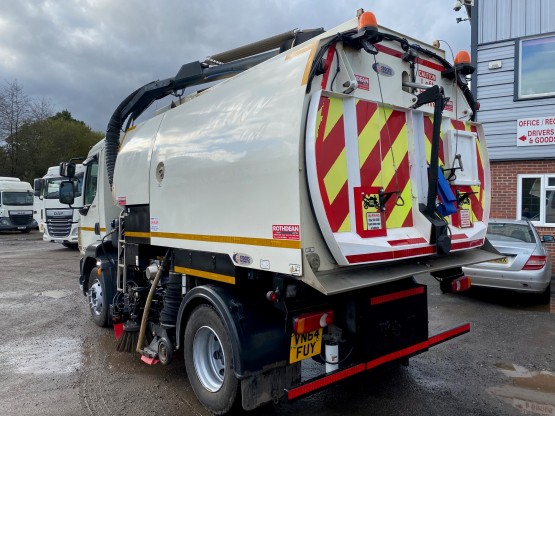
point(90, 229)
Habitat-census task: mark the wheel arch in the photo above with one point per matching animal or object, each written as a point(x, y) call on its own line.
point(220, 299)
point(257, 330)
point(95, 254)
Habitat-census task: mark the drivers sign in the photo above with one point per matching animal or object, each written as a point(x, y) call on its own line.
point(535, 131)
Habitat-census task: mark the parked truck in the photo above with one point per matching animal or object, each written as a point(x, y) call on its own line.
point(280, 212)
point(16, 205)
point(57, 222)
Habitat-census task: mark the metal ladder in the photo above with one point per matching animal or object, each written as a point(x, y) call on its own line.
point(122, 267)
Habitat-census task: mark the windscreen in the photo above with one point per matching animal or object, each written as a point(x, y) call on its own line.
point(52, 187)
point(510, 232)
point(13, 198)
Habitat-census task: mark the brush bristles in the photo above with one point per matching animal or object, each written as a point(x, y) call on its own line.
point(127, 342)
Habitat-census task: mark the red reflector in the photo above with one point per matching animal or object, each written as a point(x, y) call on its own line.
point(535, 262)
point(312, 322)
point(396, 296)
point(461, 284)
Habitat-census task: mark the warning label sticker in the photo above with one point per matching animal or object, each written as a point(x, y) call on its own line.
point(373, 220)
point(154, 224)
point(286, 232)
point(465, 218)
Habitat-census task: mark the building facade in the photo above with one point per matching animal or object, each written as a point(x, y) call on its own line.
point(513, 47)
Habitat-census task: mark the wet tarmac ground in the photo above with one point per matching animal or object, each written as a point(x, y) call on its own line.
point(55, 361)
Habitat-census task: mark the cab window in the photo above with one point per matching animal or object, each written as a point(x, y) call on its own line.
point(91, 178)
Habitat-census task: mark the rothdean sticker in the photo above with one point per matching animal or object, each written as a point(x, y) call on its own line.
point(286, 232)
point(363, 82)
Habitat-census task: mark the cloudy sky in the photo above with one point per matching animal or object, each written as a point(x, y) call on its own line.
point(87, 55)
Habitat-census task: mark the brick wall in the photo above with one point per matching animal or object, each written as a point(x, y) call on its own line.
point(504, 179)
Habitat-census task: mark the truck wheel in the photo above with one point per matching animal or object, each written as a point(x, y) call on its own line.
point(98, 302)
point(209, 360)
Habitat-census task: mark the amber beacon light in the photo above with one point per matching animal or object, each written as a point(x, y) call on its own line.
point(367, 21)
point(462, 57)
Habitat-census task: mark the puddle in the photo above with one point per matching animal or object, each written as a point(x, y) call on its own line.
point(529, 392)
point(54, 294)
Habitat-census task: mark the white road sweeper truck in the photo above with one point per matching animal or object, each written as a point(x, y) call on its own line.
point(280, 212)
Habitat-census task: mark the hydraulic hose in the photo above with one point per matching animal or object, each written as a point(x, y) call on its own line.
point(144, 319)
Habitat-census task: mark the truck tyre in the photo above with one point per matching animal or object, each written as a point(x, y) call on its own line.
point(209, 360)
point(96, 295)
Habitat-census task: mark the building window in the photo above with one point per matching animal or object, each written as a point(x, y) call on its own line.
point(536, 77)
point(536, 198)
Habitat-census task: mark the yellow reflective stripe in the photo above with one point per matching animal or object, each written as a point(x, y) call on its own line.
point(336, 177)
point(83, 228)
point(207, 275)
point(369, 137)
point(335, 113)
point(308, 66)
point(141, 234)
point(276, 243)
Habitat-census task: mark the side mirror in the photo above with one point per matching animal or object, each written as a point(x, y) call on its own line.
point(67, 169)
point(67, 192)
point(39, 186)
point(548, 239)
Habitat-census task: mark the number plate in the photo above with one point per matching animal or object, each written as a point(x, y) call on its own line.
point(503, 260)
point(305, 345)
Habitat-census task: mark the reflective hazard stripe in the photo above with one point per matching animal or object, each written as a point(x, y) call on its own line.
point(382, 140)
point(331, 163)
point(428, 133)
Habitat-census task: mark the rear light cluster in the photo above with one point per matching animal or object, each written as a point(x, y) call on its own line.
point(460, 284)
point(535, 262)
point(311, 322)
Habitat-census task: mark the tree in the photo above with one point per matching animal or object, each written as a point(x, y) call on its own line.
point(47, 143)
point(14, 112)
point(33, 138)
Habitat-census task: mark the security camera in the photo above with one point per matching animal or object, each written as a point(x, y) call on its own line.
point(460, 3)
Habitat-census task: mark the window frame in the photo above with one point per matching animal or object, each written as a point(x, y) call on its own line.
point(544, 187)
point(518, 67)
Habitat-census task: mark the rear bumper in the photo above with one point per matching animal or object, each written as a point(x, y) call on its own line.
point(532, 281)
point(333, 377)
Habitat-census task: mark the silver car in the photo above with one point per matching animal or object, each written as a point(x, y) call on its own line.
point(524, 265)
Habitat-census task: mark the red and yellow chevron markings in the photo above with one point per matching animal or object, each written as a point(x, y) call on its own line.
point(428, 134)
point(331, 163)
point(382, 140)
point(476, 200)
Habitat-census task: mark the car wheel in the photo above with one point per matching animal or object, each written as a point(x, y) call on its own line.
point(209, 360)
point(98, 301)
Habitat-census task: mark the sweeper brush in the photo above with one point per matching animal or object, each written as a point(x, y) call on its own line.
point(127, 341)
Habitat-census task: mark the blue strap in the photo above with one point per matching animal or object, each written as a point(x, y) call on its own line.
point(448, 204)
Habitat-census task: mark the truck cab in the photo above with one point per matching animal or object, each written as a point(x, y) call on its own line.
point(58, 223)
point(16, 205)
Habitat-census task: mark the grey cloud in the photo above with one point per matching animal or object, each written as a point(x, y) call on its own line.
point(87, 55)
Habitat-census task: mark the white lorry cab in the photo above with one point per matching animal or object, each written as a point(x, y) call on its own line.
point(57, 222)
point(16, 205)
